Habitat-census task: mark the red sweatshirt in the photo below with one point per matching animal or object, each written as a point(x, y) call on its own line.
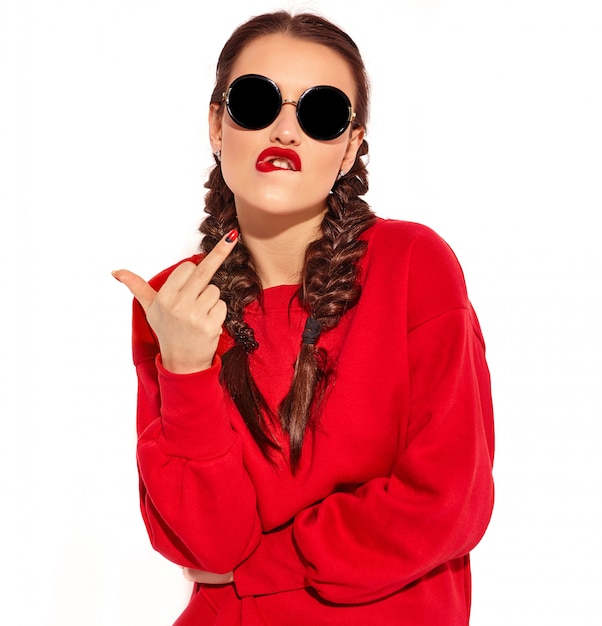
point(395, 484)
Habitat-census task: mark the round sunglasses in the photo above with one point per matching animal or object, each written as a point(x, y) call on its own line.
point(254, 102)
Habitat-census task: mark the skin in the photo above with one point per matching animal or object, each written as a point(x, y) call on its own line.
point(187, 313)
point(279, 213)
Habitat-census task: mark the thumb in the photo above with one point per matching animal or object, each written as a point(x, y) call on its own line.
point(140, 289)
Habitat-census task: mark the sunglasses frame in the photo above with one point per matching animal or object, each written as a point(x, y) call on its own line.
point(296, 103)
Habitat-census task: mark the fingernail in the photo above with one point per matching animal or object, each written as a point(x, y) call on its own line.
point(232, 236)
point(114, 275)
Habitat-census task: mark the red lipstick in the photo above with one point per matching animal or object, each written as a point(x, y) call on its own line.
point(278, 160)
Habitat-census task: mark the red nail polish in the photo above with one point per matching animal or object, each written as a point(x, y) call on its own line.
point(232, 236)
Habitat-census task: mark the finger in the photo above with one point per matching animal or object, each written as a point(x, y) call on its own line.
point(208, 297)
point(204, 271)
point(218, 312)
point(194, 575)
point(140, 289)
point(207, 578)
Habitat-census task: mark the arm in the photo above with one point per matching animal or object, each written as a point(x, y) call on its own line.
point(197, 500)
point(437, 503)
point(361, 546)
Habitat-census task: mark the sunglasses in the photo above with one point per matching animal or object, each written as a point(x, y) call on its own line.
point(254, 102)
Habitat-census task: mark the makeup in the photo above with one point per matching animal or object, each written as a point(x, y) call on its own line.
point(278, 159)
point(232, 236)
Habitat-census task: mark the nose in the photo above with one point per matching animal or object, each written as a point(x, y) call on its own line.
point(286, 129)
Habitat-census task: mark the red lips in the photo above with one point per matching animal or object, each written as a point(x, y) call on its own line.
point(278, 160)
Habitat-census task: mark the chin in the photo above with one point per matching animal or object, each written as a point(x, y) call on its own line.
point(280, 202)
point(278, 208)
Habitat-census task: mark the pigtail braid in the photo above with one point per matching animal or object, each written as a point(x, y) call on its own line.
point(239, 286)
point(329, 288)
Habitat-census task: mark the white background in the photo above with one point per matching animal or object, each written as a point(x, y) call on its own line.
point(486, 126)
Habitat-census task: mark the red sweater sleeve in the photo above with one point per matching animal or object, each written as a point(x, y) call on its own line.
point(362, 546)
point(437, 503)
point(197, 500)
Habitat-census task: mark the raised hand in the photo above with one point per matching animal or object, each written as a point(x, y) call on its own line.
point(187, 313)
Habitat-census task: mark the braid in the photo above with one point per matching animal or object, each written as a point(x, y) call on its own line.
point(329, 288)
point(329, 284)
point(239, 286)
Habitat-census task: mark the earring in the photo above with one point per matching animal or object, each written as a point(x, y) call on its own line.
point(218, 155)
point(339, 176)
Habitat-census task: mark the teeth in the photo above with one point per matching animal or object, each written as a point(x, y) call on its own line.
point(282, 164)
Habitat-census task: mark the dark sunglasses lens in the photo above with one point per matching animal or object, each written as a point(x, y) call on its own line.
point(253, 102)
point(324, 112)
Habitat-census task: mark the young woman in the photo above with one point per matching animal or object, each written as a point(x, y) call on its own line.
point(314, 415)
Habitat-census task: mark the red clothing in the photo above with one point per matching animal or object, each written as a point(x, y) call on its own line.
point(394, 487)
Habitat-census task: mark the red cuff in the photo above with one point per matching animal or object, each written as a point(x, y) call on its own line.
point(194, 411)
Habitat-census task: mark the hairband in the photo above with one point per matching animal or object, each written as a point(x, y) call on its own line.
point(312, 331)
point(245, 338)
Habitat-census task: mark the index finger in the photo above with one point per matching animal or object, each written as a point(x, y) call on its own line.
point(204, 271)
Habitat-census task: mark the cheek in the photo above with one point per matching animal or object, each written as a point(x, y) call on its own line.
point(326, 162)
point(230, 171)
point(237, 158)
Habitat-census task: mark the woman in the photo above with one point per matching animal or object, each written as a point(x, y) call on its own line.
point(314, 414)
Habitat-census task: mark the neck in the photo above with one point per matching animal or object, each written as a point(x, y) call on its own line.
point(277, 247)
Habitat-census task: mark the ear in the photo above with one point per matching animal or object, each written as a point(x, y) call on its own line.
point(355, 141)
point(215, 126)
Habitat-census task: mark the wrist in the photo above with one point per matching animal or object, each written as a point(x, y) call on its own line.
point(179, 366)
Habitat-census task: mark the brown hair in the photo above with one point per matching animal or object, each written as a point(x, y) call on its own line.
point(329, 284)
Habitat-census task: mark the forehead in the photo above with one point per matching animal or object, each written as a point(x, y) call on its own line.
point(294, 64)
